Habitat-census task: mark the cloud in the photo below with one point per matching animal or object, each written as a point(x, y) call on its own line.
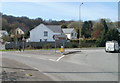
point(62, 10)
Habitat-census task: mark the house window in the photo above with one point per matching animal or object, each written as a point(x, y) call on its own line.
point(45, 33)
point(71, 34)
point(17, 32)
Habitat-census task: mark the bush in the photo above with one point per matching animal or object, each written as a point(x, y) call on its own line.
point(84, 43)
point(46, 46)
point(112, 34)
point(73, 45)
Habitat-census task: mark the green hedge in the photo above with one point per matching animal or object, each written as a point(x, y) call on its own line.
point(40, 45)
point(85, 42)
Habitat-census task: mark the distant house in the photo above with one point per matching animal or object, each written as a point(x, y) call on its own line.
point(3, 33)
point(45, 32)
point(21, 31)
point(71, 33)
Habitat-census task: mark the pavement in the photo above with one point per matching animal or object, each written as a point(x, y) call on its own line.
point(90, 64)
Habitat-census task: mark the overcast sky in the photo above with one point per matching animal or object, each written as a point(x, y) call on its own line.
point(62, 10)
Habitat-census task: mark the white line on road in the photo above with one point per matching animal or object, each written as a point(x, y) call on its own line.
point(52, 60)
point(60, 57)
point(40, 57)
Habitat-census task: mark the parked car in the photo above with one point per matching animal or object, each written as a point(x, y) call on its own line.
point(112, 46)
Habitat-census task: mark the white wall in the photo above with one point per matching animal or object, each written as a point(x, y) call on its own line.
point(72, 37)
point(68, 36)
point(38, 33)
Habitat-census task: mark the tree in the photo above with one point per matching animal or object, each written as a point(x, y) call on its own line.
point(102, 40)
point(5, 24)
point(105, 26)
point(64, 25)
point(97, 30)
point(112, 34)
point(76, 25)
point(27, 35)
point(86, 29)
point(117, 24)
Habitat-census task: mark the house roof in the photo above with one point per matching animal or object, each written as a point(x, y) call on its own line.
point(24, 29)
point(69, 30)
point(3, 32)
point(55, 28)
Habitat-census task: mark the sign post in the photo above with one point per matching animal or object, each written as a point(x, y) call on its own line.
point(59, 38)
point(55, 46)
point(62, 50)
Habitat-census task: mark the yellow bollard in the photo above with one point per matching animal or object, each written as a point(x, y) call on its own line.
point(62, 49)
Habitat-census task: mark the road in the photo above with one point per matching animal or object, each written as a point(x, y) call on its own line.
point(86, 65)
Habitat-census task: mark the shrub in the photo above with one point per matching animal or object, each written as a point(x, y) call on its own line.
point(84, 43)
point(47, 46)
point(73, 45)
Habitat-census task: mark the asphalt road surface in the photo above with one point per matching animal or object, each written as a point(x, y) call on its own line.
point(45, 65)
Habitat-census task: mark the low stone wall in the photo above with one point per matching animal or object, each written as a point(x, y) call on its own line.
point(40, 45)
point(33, 45)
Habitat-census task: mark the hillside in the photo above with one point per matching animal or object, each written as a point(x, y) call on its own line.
point(11, 22)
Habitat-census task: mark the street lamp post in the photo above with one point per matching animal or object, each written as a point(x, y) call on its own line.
point(80, 23)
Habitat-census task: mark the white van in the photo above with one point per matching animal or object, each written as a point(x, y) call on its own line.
point(112, 46)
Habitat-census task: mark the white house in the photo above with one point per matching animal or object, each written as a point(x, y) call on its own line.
point(71, 33)
point(45, 32)
point(21, 30)
point(3, 33)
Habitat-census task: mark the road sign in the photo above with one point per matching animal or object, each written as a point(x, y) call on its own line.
point(59, 37)
point(62, 38)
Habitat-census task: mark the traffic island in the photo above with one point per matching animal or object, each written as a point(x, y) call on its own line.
point(71, 52)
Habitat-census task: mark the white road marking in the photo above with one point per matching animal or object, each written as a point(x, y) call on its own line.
point(52, 60)
point(28, 56)
point(40, 57)
point(60, 57)
point(17, 51)
point(36, 68)
point(22, 70)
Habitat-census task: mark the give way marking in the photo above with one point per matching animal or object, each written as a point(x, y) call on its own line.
point(58, 58)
